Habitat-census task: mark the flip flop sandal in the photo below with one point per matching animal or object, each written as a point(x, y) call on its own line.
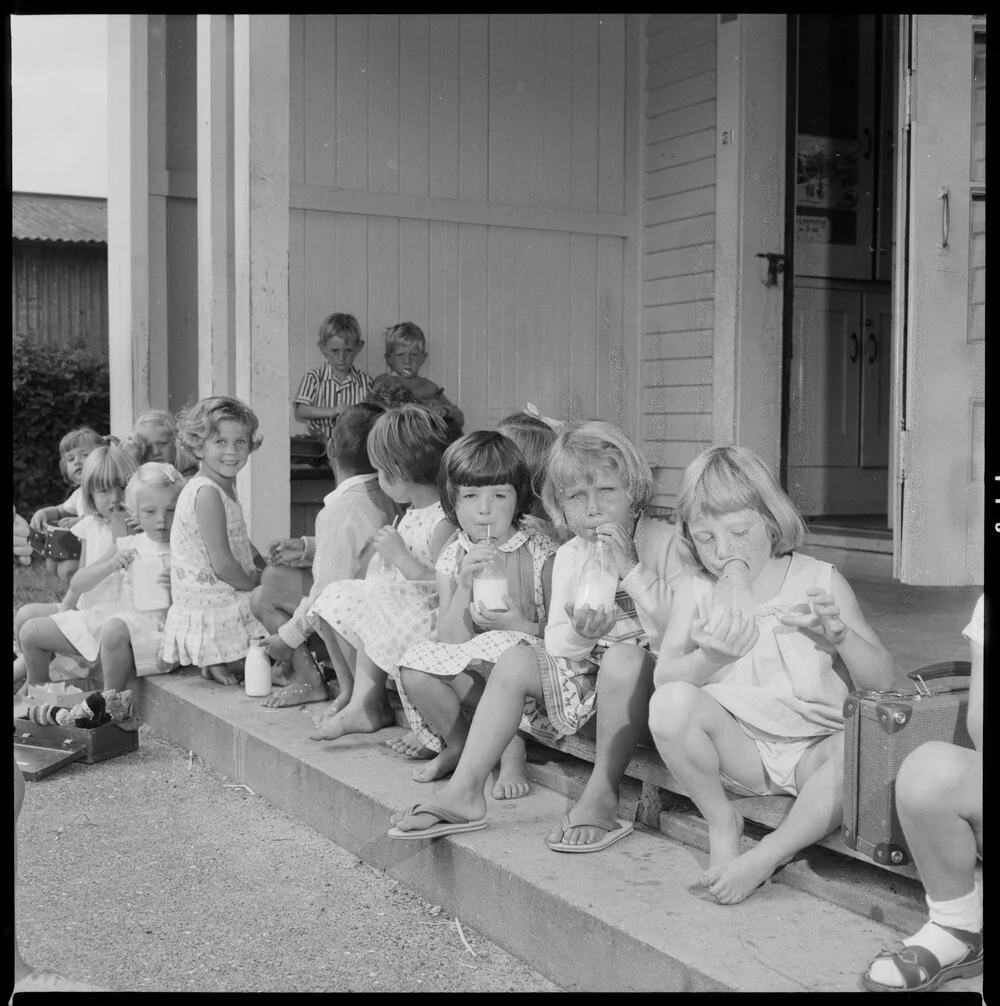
point(614, 834)
point(921, 971)
point(451, 823)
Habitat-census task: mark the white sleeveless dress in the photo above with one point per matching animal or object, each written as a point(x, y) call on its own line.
point(385, 613)
point(209, 621)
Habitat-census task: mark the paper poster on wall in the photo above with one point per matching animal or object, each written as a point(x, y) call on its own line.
point(812, 230)
point(826, 173)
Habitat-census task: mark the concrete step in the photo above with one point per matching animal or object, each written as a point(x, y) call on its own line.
point(632, 918)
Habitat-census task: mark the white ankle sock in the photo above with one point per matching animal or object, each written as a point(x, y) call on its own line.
point(965, 913)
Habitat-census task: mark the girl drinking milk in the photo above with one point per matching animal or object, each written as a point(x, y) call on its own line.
point(486, 490)
point(761, 649)
point(213, 565)
point(396, 604)
point(598, 484)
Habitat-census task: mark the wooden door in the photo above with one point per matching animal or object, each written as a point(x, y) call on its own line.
point(876, 371)
point(941, 506)
point(836, 146)
point(823, 393)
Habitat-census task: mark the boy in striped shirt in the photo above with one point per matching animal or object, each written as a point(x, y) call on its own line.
point(326, 391)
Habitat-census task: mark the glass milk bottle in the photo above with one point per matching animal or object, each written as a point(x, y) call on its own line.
point(732, 590)
point(257, 669)
point(598, 579)
point(489, 584)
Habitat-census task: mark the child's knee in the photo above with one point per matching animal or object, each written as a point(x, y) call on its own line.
point(115, 635)
point(414, 681)
point(672, 709)
point(927, 775)
point(32, 633)
point(623, 665)
point(516, 667)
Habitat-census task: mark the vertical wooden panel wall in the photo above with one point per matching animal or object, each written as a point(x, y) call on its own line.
point(679, 249)
point(60, 293)
point(467, 173)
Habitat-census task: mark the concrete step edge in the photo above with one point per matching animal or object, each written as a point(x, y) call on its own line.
point(627, 923)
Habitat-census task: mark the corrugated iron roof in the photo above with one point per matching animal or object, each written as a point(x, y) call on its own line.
point(38, 216)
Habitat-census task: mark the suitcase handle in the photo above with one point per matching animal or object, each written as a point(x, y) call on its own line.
point(944, 669)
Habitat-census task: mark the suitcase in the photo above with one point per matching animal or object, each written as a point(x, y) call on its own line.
point(881, 729)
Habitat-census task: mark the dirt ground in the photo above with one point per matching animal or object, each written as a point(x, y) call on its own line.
point(150, 872)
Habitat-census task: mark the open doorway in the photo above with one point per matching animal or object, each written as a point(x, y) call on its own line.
point(842, 108)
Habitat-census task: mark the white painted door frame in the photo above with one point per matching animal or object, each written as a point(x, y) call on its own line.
point(750, 219)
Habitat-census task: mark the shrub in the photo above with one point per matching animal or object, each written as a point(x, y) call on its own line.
point(55, 390)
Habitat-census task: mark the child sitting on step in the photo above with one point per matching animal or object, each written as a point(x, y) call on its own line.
point(340, 550)
point(939, 799)
point(597, 484)
point(90, 600)
point(763, 644)
point(486, 490)
point(396, 605)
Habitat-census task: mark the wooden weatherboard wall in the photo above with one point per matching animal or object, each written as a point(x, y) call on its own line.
point(471, 173)
point(678, 259)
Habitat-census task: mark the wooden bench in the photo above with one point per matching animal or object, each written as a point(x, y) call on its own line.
point(660, 790)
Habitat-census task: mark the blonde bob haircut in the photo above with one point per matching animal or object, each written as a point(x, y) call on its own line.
point(151, 475)
point(107, 467)
point(593, 446)
point(724, 480)
point(197, 424)
point(407, 444)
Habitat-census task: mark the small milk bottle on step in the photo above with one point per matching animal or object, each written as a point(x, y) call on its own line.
point(257, 669)
point(489, 584)
point(598, 579)
point(732, 590)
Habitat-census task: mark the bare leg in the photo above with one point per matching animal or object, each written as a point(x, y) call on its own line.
point(273, 603)
point(66, 568)
point(21, 969)
point(696, 739)
point(117, 659)
point(512, 680)
point(368, 709)
point(624, 685)
point(28, 611)
point(512, 779)
point(939, 799)
point(439, 703)
point(40, 638)
point(817, 810)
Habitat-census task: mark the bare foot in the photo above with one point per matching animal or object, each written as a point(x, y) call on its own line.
point(299, 694)
point(352, 720)
point(282, 673)
point(308, 686)
point(512, 780)
point(470, 806)
point(219, 673)
point(410, 746)
point(740, 877)
point(723, 844)
point(444, 764)
point(595, 808)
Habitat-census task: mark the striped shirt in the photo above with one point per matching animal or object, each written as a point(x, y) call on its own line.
point(320, 388)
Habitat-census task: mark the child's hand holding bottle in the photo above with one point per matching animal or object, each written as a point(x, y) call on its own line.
point(723, 636)
point(122, 559)
point(390, 546)
point(621, 545)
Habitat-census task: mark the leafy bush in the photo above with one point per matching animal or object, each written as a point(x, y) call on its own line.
point(55, 390)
